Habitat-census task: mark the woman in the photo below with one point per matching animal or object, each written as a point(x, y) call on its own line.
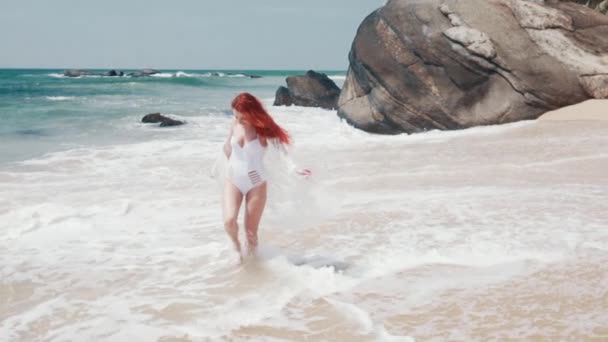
point(246, 178)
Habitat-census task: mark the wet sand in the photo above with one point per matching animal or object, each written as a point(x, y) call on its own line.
point(493, 233)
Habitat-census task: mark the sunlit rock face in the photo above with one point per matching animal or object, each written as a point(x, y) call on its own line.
point(450, 64)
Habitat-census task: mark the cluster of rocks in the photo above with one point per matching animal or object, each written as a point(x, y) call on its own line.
point(437, 64)
point(142, 73)
point(217, 74)
point(111, 73)
point(452, 64)
point(310, 90)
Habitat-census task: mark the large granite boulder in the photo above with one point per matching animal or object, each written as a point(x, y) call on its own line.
point(453, 64)
point(598, 5)
point(310, 90)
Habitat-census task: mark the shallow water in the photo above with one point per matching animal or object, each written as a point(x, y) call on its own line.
point(491, 233)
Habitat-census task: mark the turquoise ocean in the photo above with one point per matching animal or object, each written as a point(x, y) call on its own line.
point(42, 111)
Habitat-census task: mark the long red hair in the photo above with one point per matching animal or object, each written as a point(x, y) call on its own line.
point(254, 112)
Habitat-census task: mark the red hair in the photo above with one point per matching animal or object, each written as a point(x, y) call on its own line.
point(254, 113)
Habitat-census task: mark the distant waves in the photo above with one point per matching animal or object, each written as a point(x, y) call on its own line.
point(162, 75)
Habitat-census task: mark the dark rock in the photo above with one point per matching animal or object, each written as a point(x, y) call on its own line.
point(310, 90)
point(246, 75)
point(149, 71)
point(152, 118)
point(113, 73)
point(437, 64)
point(252, 76)
point(164, 121)
point(170, 122)
point(143, 73)
point(237, 74)
point(78, 73)
point(282, 97)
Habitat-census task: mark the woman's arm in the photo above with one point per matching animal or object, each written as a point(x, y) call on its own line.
point(227, 145)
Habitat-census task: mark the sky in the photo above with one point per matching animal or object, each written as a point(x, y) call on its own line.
point(180, 34)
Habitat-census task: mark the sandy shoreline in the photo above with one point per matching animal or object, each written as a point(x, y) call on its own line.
point(588, 110)
point(492, 233)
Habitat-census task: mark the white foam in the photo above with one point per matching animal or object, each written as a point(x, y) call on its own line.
point(220, 74)
point(183, 74)
point(171, 75)
point(364, 322)
point(337, 78)
point(60, 98)
point(131, 236)
point(164, 75)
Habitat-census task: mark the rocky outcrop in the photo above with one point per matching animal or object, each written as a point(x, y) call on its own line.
point(243, 75)
point(310, 90)
point(252, 75)
point(79, 73)
point(598, 5)
point(114, 73)
point(221, 74)
point(164, 121)
point(143, 73)
point(453, 64)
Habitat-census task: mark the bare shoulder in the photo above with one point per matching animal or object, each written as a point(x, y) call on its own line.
point(263, 141)
point(238, 130)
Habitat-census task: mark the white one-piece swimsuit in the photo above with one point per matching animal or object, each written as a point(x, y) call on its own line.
point(246, 165)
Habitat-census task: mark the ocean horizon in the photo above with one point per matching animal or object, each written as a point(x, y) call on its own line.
point(45, 111)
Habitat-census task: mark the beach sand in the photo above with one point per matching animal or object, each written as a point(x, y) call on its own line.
point(588, 110)
point(554, 300)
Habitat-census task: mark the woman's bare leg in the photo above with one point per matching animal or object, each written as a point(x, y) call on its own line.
point(231, 205)
point(254, 207)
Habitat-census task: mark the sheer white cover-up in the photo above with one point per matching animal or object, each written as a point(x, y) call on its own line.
point(294, 200)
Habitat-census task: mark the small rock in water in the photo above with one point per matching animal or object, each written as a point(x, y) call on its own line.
point(143, 73)
point(114, 73)
point(78, 73)
point(164, 121)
